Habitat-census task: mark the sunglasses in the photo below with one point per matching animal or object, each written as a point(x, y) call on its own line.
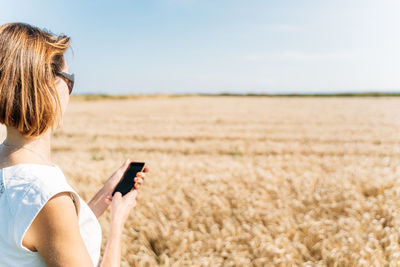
point(69, 79)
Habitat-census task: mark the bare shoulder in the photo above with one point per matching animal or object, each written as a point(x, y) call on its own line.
point(55, 234)
point(56, 209)
point(49, 219)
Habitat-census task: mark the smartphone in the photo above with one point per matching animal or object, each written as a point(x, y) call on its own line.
point(126, 183)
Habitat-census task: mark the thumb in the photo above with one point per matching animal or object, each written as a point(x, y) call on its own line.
point(125, 165)
point(126, 162)
point(117, 196)
point(131, 195)
point(122, 168)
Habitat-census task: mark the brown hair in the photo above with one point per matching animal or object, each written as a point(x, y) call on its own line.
point(29, 60)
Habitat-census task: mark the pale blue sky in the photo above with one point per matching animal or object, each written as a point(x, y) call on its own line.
point(237, 46)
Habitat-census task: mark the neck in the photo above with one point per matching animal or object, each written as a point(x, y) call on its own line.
point(41, 145)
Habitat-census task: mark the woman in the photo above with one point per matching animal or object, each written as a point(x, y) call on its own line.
point(43, 221)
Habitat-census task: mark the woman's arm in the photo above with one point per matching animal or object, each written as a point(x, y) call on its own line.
point(121, 206)
point(112, 251)
point(99, 203)
point(55, 234)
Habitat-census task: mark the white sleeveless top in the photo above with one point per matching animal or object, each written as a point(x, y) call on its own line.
point(24, 190)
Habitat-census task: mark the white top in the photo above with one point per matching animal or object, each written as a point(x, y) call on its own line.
point(24, 190)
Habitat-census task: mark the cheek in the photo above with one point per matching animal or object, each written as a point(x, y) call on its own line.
point(63, 96)
point(64, 99)
point(65, 103)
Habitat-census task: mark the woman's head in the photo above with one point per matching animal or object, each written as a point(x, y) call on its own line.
point(33, 97)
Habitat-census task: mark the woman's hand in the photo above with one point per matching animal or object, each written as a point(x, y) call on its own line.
point(114, 179)
point(103, 198)
point(121, 206)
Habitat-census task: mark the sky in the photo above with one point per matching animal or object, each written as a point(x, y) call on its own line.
point(223, 46)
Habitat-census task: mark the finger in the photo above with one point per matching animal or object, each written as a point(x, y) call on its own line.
point(122, 168)
point(130, 196)
point(140, 174)
point(125, 165)
point(138, 180)
point(117, 195)
point(137, 185)
point(146, 169)
point(108, 200)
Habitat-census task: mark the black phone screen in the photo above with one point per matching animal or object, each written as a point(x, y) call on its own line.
point(126, 184)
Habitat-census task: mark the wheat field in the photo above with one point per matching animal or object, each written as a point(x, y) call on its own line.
point(245, 181)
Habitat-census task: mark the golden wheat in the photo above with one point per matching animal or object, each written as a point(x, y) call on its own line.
point(246, 181)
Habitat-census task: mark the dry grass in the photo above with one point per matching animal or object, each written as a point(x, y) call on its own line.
point(238, 181)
